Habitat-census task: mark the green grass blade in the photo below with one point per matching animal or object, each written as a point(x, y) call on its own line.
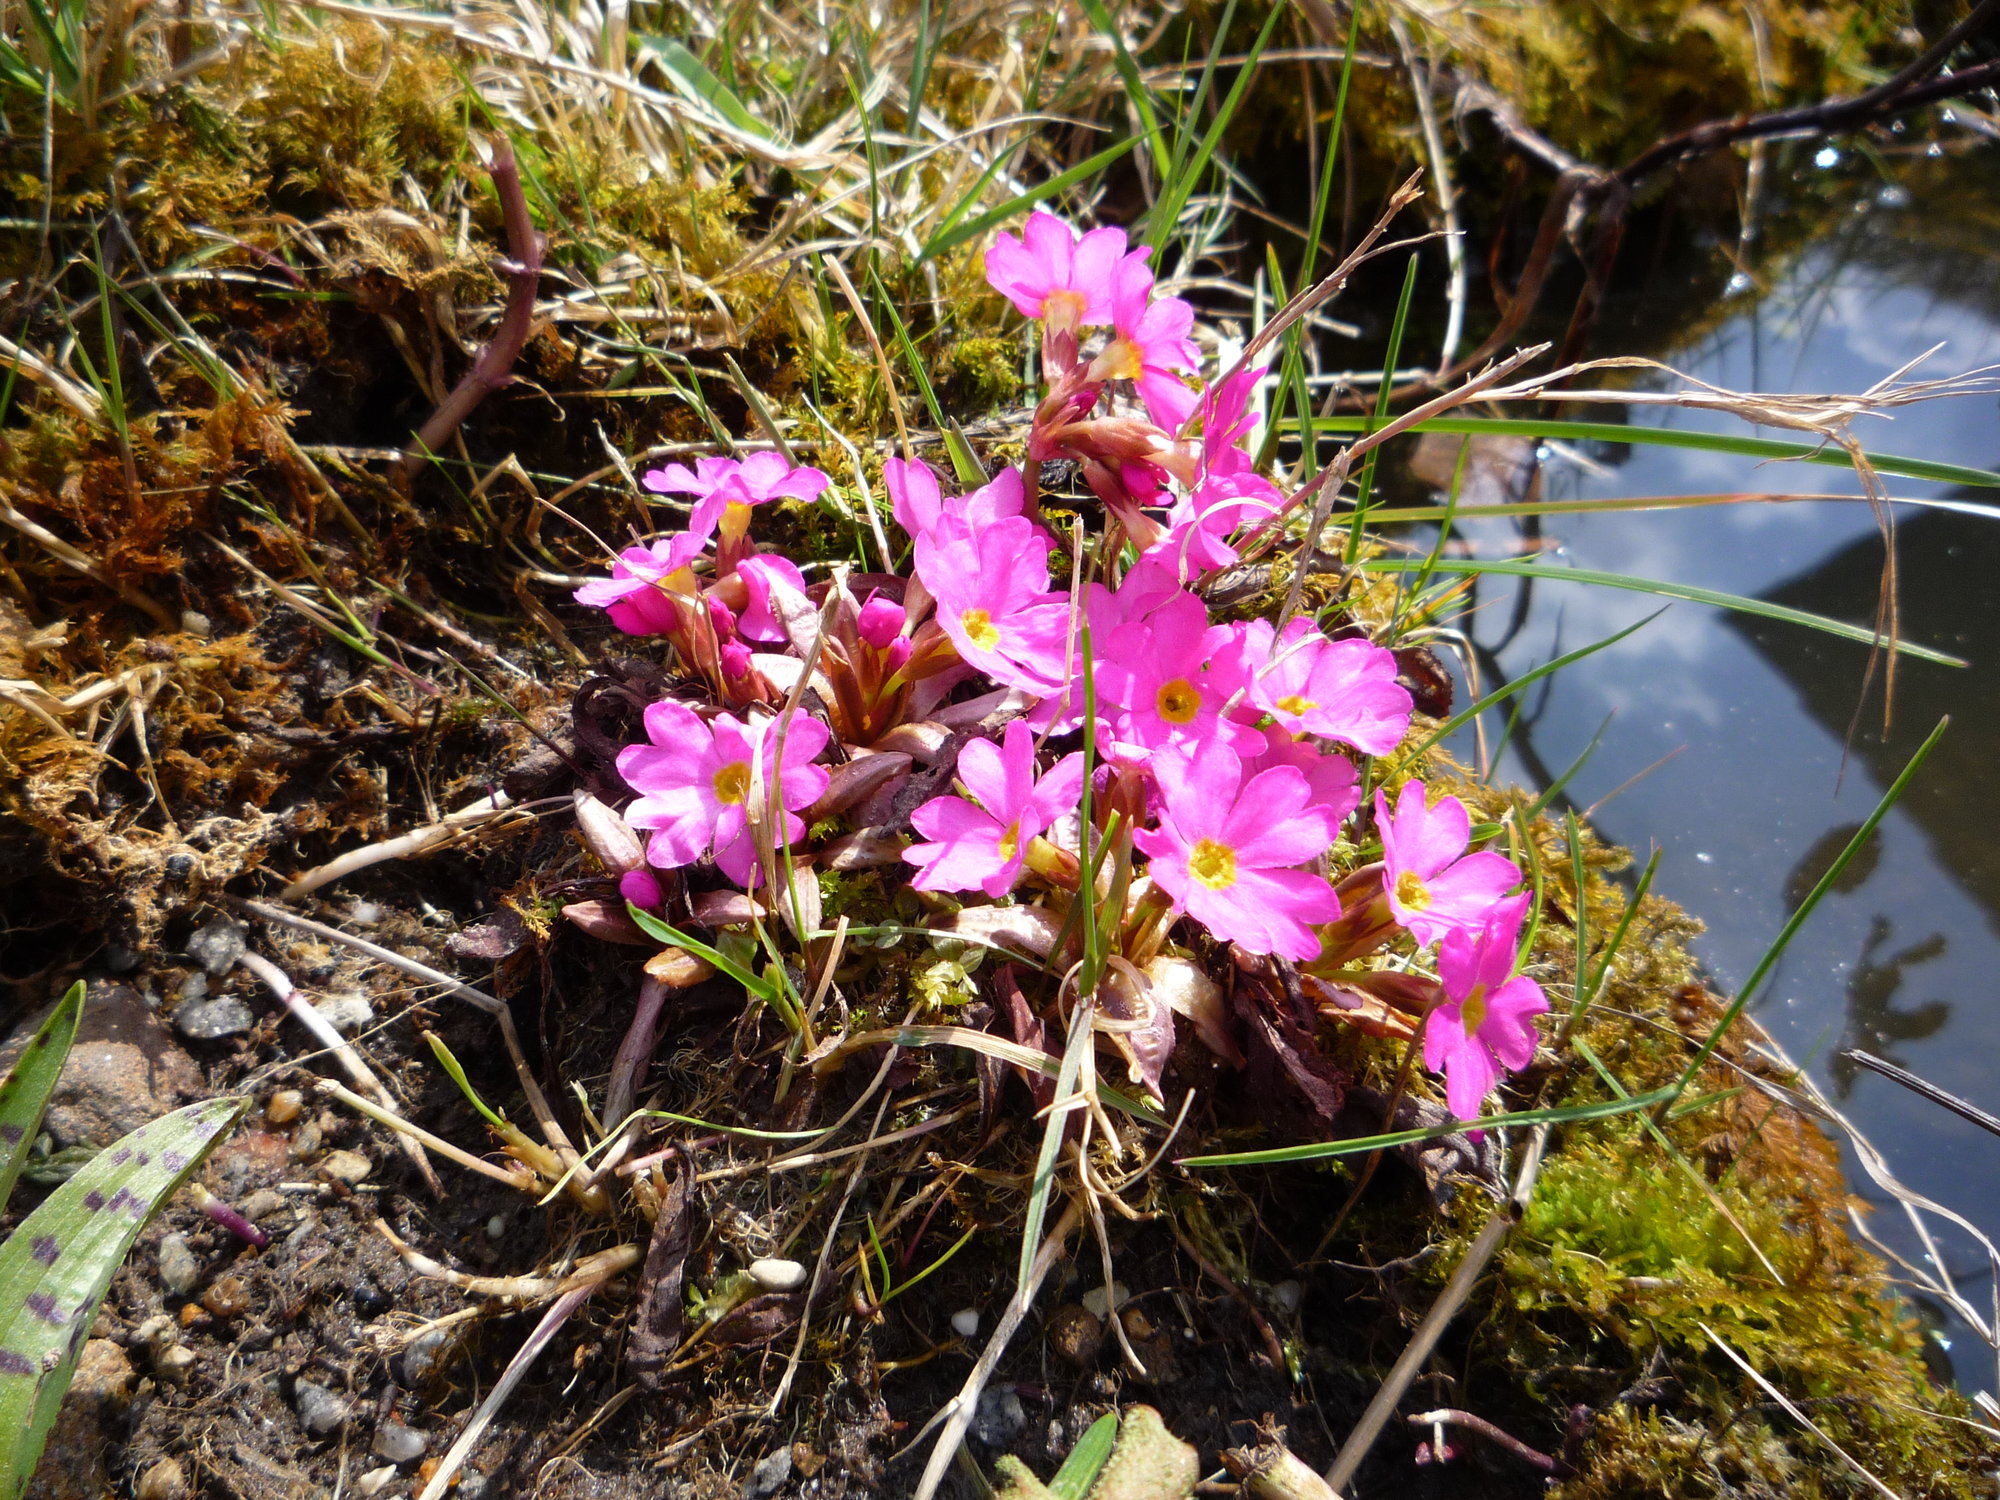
point(653, 927)
point(691, 77)
point(1081, 1037)
point(55, 1267)
point(1691, 593)
point(452, 1066)
point(963, 464)
point(1790, 930)
point(1675, 437)
point(24, 1097)
point(1135, 86)
point(1390, 360)
point(1092, 1452)
point(1166, 212)
point(1603, 1109)
point(951, 235)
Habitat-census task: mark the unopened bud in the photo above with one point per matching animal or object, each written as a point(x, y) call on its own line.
point(735, 657)
point(616, 846)
point(880, 622)
point(641, 888)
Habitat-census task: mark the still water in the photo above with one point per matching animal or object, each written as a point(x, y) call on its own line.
point(1905, 960)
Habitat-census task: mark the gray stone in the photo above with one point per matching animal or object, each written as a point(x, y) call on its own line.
point(179, 1270)
point(769, 1475)
point(349, 1167)
point(217, 946)
point(999, 1418)
point(421, 1358)
point(211, 1020)
point(320, 1410)
point(346, 1013)
point(124, 1069)
point(194, 987)
point(399, 1444)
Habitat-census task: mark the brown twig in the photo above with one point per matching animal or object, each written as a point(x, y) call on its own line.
point(494, 366)
point(1452, 1417)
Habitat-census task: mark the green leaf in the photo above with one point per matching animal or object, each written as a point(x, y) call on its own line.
point(952, 235)
point(691, 77)
point(55, 1267)
point(24, 1097)
point(1675, 437)
point(1091, 1453)
point(653, 927)
point(1175, 192)
point(1687, 591)
point(1603, 1109)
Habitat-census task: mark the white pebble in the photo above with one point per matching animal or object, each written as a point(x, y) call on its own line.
point(777, 1275)
point(965, 1322)
point(496, 1227)
point(1098, 1303)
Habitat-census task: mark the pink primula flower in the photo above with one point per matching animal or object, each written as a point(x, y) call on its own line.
point(1433, 886)
point(632, 595)
point(1154, 676)
point(1336, 785)
point(1341, 690)
point(763, 575)
point(1149, 344)
point(1488, 1025)
point(1049, 273)
point(982, 845)
point(993, 600)
point(696, 784)
point(1228, 846)
point(918, 506)
point(749, 481)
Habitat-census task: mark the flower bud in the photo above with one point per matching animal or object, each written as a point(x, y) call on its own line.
point(880, 622)
point(616, 846)
point(735, 657)
point(642, 888)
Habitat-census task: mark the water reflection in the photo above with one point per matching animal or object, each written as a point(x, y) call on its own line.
point(1874, 1020)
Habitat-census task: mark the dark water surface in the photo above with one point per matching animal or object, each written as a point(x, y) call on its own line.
point(1904, 959)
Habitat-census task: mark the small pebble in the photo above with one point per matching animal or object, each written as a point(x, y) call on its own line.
point(262, 1204)
point(369, 1299)
point(227, 1297)
point(211, 1020)
point(965, 1322)
point(180, 866)
point(179, 1270)
point(496, 1227)
point(194, 622)
point(305, 1141)
point(1098, 1302)
point(421, 1357)
point(777, 1275)
point(349, 1167)
point(119, 959)
point(375, 1480)
point(1000, 1417)
point(1076, 1335)
point(286, 1105)
point(1286, 1297)
point(320, 1410)
point(346, 1013)
point(217, 946)
point(165, 1480)
point(399, 1444)
point(769, 1475)
point(194, 987)
point(172, 1365)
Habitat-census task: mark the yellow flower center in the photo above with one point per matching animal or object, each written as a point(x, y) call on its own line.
point(980, 629)
point(1177, 701)
point(1472, 1014)
point(1213, 864)
point(735, 519)
point(1010, 841)
point(1119, 361)
point(1296, 703)
point(1064, 309)
point(1412, 892)
point(732, 782)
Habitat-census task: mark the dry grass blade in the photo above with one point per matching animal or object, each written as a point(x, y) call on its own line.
point(1792, 1410)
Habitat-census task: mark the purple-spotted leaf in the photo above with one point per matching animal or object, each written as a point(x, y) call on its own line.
point(55, 1267)
point(24, 1097)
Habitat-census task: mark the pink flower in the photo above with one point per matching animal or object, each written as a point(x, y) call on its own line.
point(633, 596)
point(1149, 344)
point(750, 481)
point(983, 845)
point(1227, 847)
point(1336, 785)
point(918, 506)
point(696, 785)
point(1433, 886)
point(879, 622)
point(1342, 690)
point(1155, 675)
point(1049, 273)
point(762, 575)
point(1200, 523)
point(1488, 1026)
point(993, 600)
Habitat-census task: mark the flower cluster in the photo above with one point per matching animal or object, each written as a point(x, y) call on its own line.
point(1211, 764)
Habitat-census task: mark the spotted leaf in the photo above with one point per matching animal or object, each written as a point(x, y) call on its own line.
point(55, 1267)
point(24, 1096)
